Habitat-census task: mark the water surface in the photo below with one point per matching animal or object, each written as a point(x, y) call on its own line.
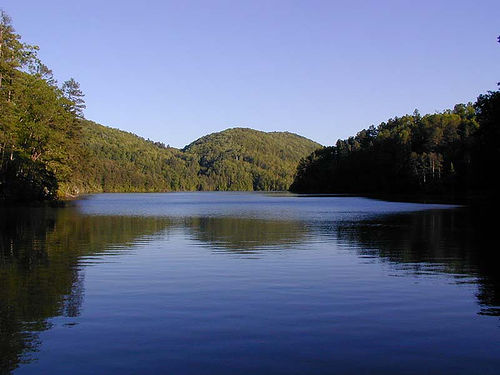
point(226, 283)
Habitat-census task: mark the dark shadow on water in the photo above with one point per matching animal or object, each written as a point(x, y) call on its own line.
point(461, 242)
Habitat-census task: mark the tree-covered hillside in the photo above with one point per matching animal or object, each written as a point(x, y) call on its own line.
point(452, 151)
point(235, 159)
point(118, 161)
point(247, 159)
point(39, 122)
point(48, 150)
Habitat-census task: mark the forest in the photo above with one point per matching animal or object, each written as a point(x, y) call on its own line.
point(451, 152)
point(39, 122)
point(48, 150)
point(234, 159)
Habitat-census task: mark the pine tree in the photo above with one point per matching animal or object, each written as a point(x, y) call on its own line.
point(74, 94)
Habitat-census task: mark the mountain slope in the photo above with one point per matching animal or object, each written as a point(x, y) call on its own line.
point(235, 159)
point(247, 159)
point(117, 161)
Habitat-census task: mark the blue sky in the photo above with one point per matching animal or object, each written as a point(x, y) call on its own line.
point(173, 71)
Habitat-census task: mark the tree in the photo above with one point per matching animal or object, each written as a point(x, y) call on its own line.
point(74, 94)
point(487, 151)
point(37, 125)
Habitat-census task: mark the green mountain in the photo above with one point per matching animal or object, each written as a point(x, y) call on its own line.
point(247, 159)
point(234, 159)
point(119, 161)
point(47, 148)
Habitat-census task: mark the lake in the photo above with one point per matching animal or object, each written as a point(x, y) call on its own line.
point(248, 283)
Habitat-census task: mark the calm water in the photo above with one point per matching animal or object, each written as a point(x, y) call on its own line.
point(237, 283)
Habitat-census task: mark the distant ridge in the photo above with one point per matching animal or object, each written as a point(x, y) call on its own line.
point(233, 159)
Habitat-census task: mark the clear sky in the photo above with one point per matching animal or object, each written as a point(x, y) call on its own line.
point(173, 71)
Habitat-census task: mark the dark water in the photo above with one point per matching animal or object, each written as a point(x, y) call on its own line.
point(234, 283)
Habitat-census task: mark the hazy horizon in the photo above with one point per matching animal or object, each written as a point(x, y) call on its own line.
point(173, 72)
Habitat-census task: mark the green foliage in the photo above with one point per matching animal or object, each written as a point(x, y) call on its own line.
point(247, 159)
point(74, 94)
point(47, 148)
point(118, 161)
point(37, 131)
point(441, 152)
point(235, 159)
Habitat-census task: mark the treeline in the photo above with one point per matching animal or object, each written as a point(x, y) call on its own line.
point(118, 161)
point(39, 122)
point(454, 151)
point(234, 159)
point(48, 150)
point(247, 159)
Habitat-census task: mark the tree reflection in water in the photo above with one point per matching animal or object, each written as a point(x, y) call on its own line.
point(245, 235)
point(40, 271)
point(43, 253)
point(459, 242)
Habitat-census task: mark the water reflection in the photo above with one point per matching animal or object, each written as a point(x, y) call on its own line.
point(245, 235)
point(459, 242)
point(40, 273)
point(44, 251)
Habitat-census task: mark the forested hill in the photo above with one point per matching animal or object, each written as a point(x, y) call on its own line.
point(234, 159)
point(247, 159)
point(455, 151)
point(48, 149)
point(119, 161)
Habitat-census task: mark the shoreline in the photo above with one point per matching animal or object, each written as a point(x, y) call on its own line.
point(472, 199)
